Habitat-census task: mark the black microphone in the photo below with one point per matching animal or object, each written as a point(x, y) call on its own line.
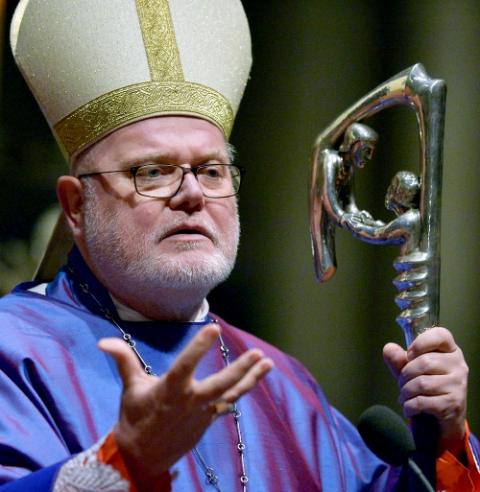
point(387, 435)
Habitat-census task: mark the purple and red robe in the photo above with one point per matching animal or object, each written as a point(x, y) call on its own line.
point(59, 395)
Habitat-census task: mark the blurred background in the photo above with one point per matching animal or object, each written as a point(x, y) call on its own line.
point(312, 60)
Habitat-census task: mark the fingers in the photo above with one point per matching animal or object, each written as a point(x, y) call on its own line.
point(438, 406)
point(216, 384)
point(218, 391)
point(430, 364)
point(434, 374)
point(395, 357)
point(182, 369)
point(128, 365)
point(426, 386)
point(253, 376)
point(236, 379)
point(433, 340)
point(433, 379)
point(448, 408)
point(434, 353)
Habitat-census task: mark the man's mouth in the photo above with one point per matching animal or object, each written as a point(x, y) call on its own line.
point(188, 233)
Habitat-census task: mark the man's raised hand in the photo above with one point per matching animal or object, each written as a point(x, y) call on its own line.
point(162, 418)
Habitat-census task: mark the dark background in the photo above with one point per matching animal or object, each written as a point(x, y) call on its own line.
point(312, 60)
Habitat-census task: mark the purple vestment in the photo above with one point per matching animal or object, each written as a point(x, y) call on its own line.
point(59, 395)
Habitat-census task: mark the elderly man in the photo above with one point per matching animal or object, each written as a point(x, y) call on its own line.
point(143, 108)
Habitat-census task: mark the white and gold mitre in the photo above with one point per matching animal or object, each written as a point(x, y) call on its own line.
point(97, 65)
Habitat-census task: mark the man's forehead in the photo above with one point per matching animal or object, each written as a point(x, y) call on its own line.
point(156, 127)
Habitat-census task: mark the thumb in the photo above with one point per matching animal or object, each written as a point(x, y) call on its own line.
point(395, 357)
point(127, 363)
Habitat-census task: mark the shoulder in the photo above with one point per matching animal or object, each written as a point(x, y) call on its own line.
point(24, 316)
point(23, 302)
point(20, 303)
point(287, 368)
point(247, 340)
point(289, 391)
point(30, 321)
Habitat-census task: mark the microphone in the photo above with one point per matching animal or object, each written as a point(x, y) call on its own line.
point(387, 435)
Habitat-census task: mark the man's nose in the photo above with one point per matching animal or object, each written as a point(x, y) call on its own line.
point(190, 195)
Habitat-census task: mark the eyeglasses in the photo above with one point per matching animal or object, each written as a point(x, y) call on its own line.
point(164, 180)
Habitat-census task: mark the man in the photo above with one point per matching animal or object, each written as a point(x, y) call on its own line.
point(150, 203)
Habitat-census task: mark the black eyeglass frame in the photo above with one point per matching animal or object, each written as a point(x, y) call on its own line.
point(185, 170)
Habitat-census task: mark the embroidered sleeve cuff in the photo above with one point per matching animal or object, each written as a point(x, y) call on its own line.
point(453, 475)
point(101, 469)
point(86, 473)
point(109, 454)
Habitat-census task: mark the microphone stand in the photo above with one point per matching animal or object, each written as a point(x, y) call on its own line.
point(417, 473)
point(425, 432)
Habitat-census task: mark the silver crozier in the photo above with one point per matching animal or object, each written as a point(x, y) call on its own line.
point(343, 148)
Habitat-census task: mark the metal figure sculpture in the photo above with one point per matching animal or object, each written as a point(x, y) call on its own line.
point(346, 145)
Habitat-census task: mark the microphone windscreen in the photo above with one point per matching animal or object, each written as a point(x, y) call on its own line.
point(386, 434)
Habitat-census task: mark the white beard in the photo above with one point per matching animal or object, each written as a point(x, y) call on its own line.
point(123, 255)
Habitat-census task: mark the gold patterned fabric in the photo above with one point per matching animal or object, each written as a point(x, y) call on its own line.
point(159, 38)
point(103, 115)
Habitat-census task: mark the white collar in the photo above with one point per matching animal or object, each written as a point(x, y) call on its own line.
point(126, 313)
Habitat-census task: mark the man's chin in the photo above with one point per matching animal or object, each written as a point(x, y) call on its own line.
point(190, 269)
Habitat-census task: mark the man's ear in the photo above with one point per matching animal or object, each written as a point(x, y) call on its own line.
point(70, 196)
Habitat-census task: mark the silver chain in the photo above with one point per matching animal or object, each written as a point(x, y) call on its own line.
point(210, 474)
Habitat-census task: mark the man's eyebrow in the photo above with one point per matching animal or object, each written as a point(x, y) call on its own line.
point(144, 159)
point(220, 155)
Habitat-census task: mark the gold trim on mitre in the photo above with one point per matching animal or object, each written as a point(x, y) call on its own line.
point(110, 111)
point(159, 40)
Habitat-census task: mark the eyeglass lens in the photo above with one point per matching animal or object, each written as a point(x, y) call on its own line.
point(164, 180)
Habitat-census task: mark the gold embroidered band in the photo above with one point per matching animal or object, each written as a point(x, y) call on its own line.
point(115, 109)
point(159, 40)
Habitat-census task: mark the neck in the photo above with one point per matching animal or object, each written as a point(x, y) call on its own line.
point(160, 304)
point(127, 312)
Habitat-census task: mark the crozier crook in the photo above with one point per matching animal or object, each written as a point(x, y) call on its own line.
point(345, 145)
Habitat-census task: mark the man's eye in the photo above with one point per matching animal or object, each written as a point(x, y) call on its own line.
point(153, 172)
point(156, 171)
point(213, 172)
